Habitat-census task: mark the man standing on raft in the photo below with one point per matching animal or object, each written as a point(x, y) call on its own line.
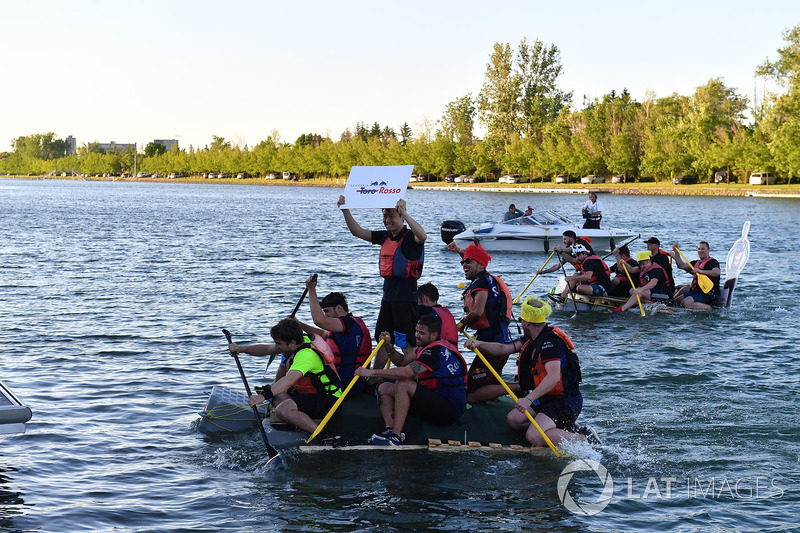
point(401, 258)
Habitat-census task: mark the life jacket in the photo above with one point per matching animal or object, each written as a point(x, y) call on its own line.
point(355, 355)
point(531, 370)
point(620, 273)
point(653, 265)
point(311, 382)
point(699, 265)
point(667, 266)
point(593, 280)
point(446, 376)
point(495, 311)
point(394, 264)
point(449, 330)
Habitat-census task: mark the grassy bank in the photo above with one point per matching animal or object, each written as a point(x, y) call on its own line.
point(657, 188)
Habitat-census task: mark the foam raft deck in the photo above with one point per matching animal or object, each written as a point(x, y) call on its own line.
point(13, 413)
point(483, 427)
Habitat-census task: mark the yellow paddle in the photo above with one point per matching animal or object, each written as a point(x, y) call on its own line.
point(704, 281)
point(508, 390)
point(344, 393)
point(534, 277)
point(625, 268)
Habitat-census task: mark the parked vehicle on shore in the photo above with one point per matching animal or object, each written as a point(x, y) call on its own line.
point(617, 179)
point(762, 178)
point(722, 177)
point(684, 180)
point(592, 178)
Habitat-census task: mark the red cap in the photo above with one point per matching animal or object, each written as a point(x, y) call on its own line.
point(478, 254)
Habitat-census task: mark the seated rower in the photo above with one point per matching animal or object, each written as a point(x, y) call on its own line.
point(309, 387)
point(346, 335)
point(428, 296)
point(432, 387)
point(620, 284)
point(653, 281)
point(548, 373)
point(691, 296)
point(565, 253)
point(594, 277)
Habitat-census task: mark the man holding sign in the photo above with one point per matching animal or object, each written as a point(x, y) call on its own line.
point(402, 249)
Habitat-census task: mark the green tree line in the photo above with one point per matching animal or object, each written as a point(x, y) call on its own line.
point(531, 129)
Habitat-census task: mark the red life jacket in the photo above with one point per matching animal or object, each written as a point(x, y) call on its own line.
point(493, 312)
point(653, 265)
point(449, 329)
point(531, 371)
point(446, 376)
point(699, 265)
point(351, 359)
point(311, 383)
point(593, 280)
point(394, 264)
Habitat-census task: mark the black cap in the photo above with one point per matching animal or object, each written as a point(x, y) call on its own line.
point(653, 240)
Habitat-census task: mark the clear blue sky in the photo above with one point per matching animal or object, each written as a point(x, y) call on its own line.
point(135, 71)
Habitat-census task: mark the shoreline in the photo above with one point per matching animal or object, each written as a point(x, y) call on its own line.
point(650, 188)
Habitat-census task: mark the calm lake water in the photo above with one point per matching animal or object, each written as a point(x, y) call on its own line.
point(114, 295)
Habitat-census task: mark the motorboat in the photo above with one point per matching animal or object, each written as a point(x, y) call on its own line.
point(13, 412)
point(537, 232)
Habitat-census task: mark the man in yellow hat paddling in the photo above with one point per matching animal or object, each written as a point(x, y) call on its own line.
point(548, 374)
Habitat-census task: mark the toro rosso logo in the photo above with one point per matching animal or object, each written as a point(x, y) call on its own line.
point(377, 187)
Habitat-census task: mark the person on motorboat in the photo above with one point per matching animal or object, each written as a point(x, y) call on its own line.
point(549, 374)
point(594, 277)
point(529, 211)
point(592, 211)
point(512, 213)
point(310, 385)
point(653, 283)
point(660, 257)
point(565, 254)
point(401, 259)
point(431, 385)
point(691, 296)
point(429, 303)
point(620, 284)
point(347, 335)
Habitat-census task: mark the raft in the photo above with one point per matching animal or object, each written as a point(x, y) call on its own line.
point(482, 427)
point(604, 303)
point(13, 413)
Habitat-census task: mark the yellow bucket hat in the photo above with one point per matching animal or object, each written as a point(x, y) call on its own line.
point(534, 310)
point(641, 256)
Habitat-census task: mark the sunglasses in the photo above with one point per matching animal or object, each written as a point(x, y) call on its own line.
point(467, 261)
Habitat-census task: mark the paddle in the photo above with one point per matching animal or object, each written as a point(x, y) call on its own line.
point(514, 397)
point(704, 281)
point(620, 246)
point(738, 254)
point(534, 277)
point(574, 304)
point(296, 308)
point(625, 268)
point(344, 393)
point(270, 450)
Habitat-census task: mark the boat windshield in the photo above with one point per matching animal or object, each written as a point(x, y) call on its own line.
point(541, 218)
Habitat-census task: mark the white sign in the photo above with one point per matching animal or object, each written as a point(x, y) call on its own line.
point(376, 186)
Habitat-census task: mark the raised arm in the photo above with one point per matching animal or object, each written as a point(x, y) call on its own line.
point(317, 314)
point(419, 232)
point(352, 225)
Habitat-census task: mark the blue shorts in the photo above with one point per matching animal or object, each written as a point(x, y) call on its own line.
point(701, 297)
point(597, 290)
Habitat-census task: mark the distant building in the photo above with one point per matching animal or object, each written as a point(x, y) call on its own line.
point(116, 147)
point(167, 143)
point(72, 144)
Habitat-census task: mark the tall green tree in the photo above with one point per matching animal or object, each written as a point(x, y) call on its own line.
point(458, 121)
point(539, 67)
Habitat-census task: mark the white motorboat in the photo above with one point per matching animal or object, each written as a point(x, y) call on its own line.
point(537, 232)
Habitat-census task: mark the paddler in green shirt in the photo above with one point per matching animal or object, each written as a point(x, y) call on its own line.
point(310, 386)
